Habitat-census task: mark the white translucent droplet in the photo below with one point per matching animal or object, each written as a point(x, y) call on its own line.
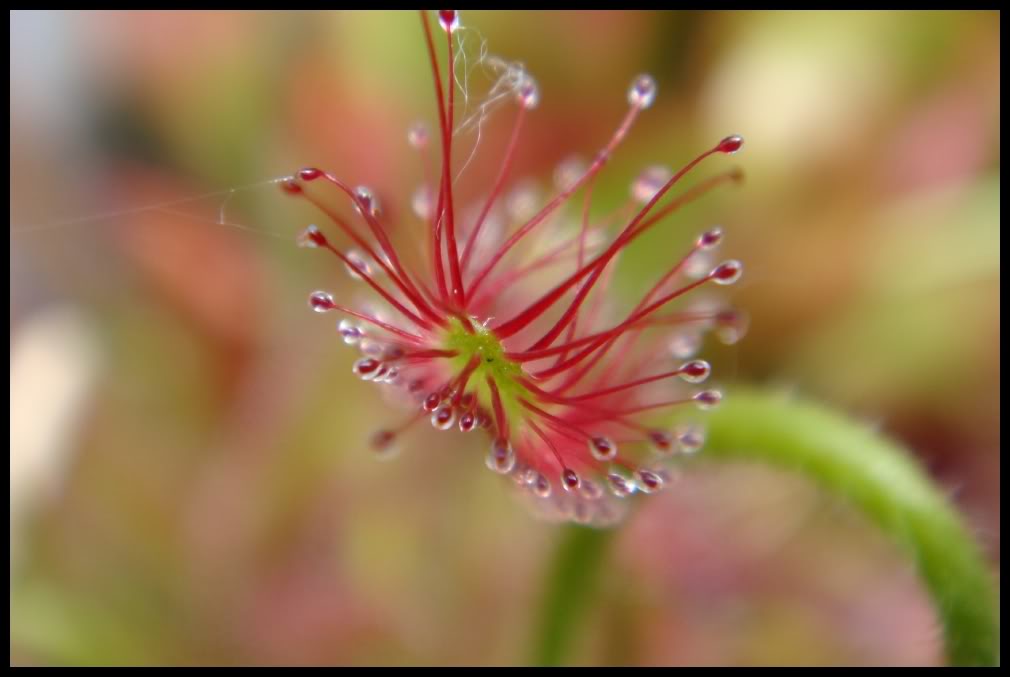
point(602, 448)
point(649, 182)
point(731, 327)
point(620, 485)
point(417, 135)
point(690, 437)
point(695, 371)
point(698, 265)
point(366, 368)
point(448, 19)
point(568, 172)
point(467, 422)
point(590, 490)
point(570, 480)
point(661, 441)
point(371, 347)
point(500, 457)
point(443, 417)
point(527, 93)
point(649, 481)
point(356, 265)
point(310, 237)
point(727, 272)
point(321, 301)
point(684, 344)
point(708, 399)
point(540, 486)
point(642, 92)
point(711, 238)
point(523, 202)
point(350, 332)
point(367, 202)
point(421, 203)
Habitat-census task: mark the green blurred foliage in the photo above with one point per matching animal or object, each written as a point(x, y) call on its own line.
point(213, 499)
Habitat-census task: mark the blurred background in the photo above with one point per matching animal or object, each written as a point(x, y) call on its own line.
point(190, 476)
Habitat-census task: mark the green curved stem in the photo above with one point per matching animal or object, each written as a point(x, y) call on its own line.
point(568, 592)
point(846, 460)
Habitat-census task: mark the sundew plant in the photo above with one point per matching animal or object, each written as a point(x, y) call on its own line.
point(550, 338)
point(496, 331)
point(476, 344)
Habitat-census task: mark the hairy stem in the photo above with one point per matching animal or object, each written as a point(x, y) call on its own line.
point(848, 461)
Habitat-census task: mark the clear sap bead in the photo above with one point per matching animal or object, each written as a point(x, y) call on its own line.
point(727, 272)
point(602, 448)
point(690, 437)
point(642, 92)
point(649, 182)
point(500, 457)
point(650, 481)
point(356, 265)
point(570, 480)
point(417, 135)
point(350, 332)
point(321, 302)
point(685, 344)
point(540, 486)
point(421, 203)
point(527, 93)
point(448, 19)
point(708, 399)
point(443, 417)
point(620, 485)
point(695, 371)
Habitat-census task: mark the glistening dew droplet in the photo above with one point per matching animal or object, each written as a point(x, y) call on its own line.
point(690, 437)
point(570, 479)
point(708, 399)
point(311, 238)
point(649, 182)
point(421, 203)
point(468, 421)
point(366, 368)
point(568, 172)
point(642, 92)
point(727, 272)
point(731, 144)
point(649, 481)
point(620, 485)
point(321, 301)
point(417, 135)
point(448, 19)
point(356, 266)
point(684, 344)
point(528, 94)
point(350, 332)
point(590, 490)
point(501, 457)
point(662, 441)
point(730, 326)
point(367, 202)
point(541, 486)
point(602, 448)
point(695, 371)
point(711, 238)
point(443, 417)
